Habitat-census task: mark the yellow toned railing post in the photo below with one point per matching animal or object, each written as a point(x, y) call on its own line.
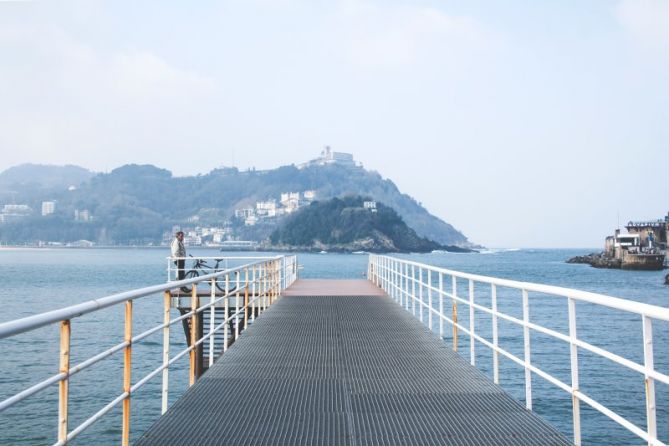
point(278, 278)
point(263, 284)
point(237, 284)
point(63, 386)
point(268, 280)
point(246, 298)
point(166, 350)
point(275, 280)
point(212, 320)
point(253, 293)
point(193, 336)
point(127, 369)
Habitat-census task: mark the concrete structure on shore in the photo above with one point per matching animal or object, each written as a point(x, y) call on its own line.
point(643, 247)
point(651, 233)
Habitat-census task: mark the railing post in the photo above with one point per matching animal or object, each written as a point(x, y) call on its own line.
point(261, 286)
point(397, 281)
point(495, 337)
point(246, 298)
point(441, 305)
point(212, 320)
point(413, 289)
point(429, 299)
point(391, 279)
point(472, 325)
point(400, 283)
point(275, 281)
point(649, 364)
point(573, 353)
point(166, 350)
point(382, 276)
point(454, 311)
point(127, 369)
point(265, 286)
point(253, 292)
point(64, 384)
point(406, 286)
point(238, 282)
point(194, 304)
point(226, 312)
point(526, 343)
point(384, 272)
point(420, 293)
point(270, 284)
point(396, 276)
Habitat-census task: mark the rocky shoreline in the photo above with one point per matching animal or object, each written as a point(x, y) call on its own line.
point(358, 246)
point(597, 260)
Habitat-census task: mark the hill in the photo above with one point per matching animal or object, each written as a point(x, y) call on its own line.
point(43, 176)
point(137, 204)
point(346, 225)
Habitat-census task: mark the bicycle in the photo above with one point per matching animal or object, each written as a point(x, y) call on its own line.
point(201, 267)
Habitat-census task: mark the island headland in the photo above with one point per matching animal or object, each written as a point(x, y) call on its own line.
point(351, 224)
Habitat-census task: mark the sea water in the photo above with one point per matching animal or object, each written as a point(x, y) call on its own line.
point(39, 280)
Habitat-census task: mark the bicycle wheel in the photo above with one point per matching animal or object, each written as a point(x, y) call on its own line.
point(193, 273)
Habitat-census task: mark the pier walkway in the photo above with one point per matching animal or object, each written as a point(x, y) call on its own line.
point(339, 362)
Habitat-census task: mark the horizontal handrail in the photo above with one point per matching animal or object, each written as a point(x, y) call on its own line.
point(223, 258)
point(29, 323)
point(640, 308)
point(262, 282)
point(403, 278)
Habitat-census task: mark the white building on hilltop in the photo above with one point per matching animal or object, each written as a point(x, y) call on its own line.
point(330, 157)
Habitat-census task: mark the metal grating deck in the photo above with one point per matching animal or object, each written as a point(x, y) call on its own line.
point(345, 370)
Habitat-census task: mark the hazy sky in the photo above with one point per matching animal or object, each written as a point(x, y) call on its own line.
point(522, 123)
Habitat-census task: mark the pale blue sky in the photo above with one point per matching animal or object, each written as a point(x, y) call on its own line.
point(523, 123)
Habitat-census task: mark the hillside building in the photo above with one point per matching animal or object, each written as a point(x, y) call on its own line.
point(290, 201)
point(328, 156)
point(244, 213)
point(19, 209)
point(13, 212)
point(251, 220)
point(192, 239)
point(266, 208)
point(48, 208)
point(82, 215)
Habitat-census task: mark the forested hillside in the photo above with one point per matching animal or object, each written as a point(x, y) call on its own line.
point(345, 224)
point(137, 203)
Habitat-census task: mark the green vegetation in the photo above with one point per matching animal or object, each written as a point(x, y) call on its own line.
point(344, 224)
point(135, 204)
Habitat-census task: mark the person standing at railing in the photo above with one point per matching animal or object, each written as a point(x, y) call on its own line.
point(179, 253)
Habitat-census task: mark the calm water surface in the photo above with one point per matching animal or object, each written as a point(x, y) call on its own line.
point(40, 280)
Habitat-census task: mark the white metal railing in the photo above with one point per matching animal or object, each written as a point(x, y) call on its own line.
point(256, 284)
point(400, 279)
point(200, 265)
